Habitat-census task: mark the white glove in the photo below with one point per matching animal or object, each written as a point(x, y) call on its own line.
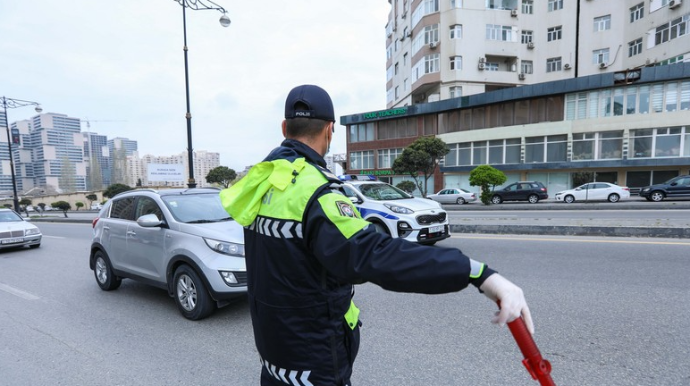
point(513, 303)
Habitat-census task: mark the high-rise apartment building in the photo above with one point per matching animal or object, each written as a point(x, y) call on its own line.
point(50, 153)
point(441, 49)
point(560, 91)
point(97, 159)
point(120, 149)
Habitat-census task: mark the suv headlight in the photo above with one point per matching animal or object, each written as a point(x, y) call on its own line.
point(399, 209)
point(225, 247)
point(645, 189)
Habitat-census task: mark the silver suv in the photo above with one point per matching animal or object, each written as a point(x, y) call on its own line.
point(181, 240)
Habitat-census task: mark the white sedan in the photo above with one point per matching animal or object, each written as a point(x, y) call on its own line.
point(453, 196)
point(594, 191)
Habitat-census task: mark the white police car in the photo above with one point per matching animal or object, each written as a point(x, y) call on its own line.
point(395, 212)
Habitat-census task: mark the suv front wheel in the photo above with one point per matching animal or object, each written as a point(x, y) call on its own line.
point(533, 199)
point(191, 296)
point(496, 200)
point(656, 196)
point(103, 272)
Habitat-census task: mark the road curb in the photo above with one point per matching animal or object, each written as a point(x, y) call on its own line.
point(573, 230)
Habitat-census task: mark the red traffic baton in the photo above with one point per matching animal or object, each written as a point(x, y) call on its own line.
point(538, 367)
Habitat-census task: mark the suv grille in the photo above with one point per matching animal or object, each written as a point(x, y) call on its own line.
point(426, 219)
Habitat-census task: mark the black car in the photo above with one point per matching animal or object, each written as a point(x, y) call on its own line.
point(675, 187)
point(531, 191)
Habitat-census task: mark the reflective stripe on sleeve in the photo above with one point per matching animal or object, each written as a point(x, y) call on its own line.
point(476, 269)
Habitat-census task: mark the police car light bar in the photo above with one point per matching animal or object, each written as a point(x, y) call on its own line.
point(356, 177)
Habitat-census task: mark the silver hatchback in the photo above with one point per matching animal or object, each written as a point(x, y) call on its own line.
point(181, 240)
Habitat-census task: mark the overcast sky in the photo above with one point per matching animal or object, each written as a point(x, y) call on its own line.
point(123, 61)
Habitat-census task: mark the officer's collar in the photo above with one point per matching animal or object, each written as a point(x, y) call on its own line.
point(307, 152)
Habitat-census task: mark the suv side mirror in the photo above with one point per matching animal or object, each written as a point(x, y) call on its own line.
point(149, 221)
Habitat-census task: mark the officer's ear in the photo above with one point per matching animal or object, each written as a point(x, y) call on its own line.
point(284, 126)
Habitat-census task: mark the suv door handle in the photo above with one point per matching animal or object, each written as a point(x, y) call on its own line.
point(131, 233)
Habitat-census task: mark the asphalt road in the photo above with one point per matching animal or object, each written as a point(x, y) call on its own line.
point(608, 311)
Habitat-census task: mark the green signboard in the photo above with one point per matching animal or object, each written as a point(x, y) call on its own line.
point(385, 113)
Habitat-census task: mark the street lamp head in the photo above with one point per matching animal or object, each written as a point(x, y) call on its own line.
point(225, 20)
point(38, 109)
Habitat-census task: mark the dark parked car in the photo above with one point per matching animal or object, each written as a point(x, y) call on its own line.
point(675, 187)
point(531, 191)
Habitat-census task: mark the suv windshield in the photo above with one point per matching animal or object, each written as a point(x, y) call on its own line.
point(196, 208)
point(382, 192)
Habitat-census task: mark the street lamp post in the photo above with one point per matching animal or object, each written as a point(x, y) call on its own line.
point(195, 5)
point(14, 103)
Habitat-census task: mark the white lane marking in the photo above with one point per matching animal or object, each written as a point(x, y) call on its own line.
point(53, 237)
point(17, 292)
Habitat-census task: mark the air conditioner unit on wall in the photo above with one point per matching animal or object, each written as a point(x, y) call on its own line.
point(674, 4)
point(521, 76)
point(409, 34)
point(433, 45)
point(566, 66)
point(602, 65)
point(513, 12)
point(482, 60)
point(530, 45)
point(481, 66)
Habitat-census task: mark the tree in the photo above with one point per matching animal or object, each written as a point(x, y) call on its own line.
point(79, 204)
point(23, 204)
point(64, 206)
point(486, 176)
point(221, 175)
point(95, 174)
point(67, 180)
point(114, 189)
point(91, 197)
point(422, 156)
point(407, 186)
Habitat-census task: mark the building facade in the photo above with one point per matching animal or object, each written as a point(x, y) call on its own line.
point(630, 127)
point(560, 91)
point(441, 49)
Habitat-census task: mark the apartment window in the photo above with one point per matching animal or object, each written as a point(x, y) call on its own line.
point(680, 26)
point(405, 59)
point(555, 5)
point(504, 151)
point(600, 56)
point(456, 31)
point(635, 47)
point(602, 23)
point(362, 133)
point(397, 92)
point(610, 145)
point(389, 73)
point(636, 12)
point(455, 92)
point(501, 4)
point(554, 33)
point(431, 34)
point(456, 63)
point(662, 34)
point(583, 146)
point(396, 69)
point(527, 7)
point(526, 36)
point(553, 64)
point(389, 52)
point(387, 157)
point(491, 66)
point(362, 160)
point(406, 85)
point(526, 66)
point(456, 3)
point(499, 32)
point(425, 8)
point(432, 63)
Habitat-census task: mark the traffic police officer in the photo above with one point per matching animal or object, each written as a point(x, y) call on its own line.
point(306, 245)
